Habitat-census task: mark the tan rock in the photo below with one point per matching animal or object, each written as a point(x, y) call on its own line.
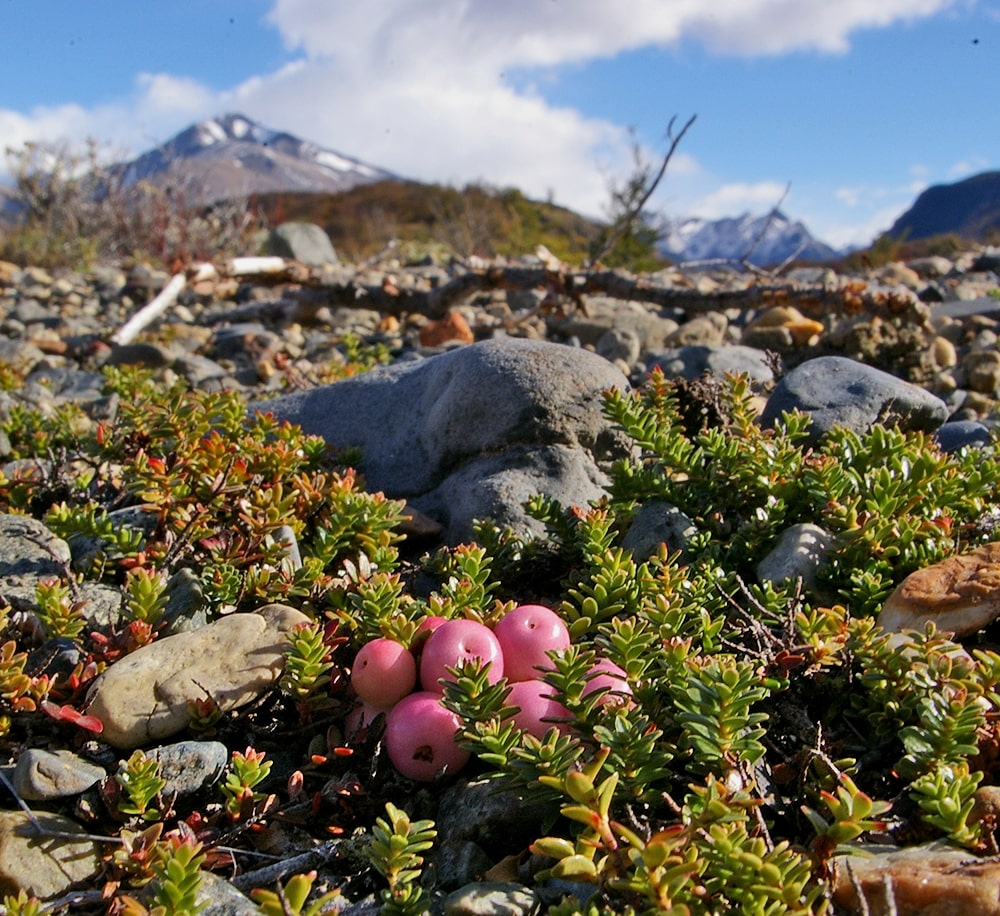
point(982, 371)
point(143, 697)
point(450, 329)
point(898, 274)
point(943, 353)
point(959, 595)
point(802, 329)
point(702, 330)
point(933, 879)
point(8, 271)
point(43, 866)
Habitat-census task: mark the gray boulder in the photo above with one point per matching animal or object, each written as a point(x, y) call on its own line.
point(836, 391)
point(305, 242)
point(473, 432)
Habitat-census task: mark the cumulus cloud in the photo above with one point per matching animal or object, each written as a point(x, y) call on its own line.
point(528, 33)
point(842, 235)
point(423, 87)
point(738, 197)
point(967, 167)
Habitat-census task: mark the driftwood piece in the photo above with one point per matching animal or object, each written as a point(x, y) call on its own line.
point(306, 292)
point(149, 313)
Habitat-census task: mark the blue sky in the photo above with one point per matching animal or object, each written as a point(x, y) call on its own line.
point(855, 106)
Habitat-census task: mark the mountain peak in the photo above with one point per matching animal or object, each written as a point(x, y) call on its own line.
point(763, 239)
point(233, 156)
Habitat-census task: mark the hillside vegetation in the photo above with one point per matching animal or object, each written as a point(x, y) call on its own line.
point(474, 220)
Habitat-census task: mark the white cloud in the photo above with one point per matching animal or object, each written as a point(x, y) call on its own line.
point(866, 211)
point(530, 33)
point(418, 86)
point(740, 197)
point(161, 94)
point(967, 167)
point(855, 234)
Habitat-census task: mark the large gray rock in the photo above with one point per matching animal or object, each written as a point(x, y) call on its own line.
point(29, 551)
point(305, 242)
point(836, 391)
point(473, 432)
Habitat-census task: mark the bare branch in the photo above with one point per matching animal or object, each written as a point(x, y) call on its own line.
point(644, 191)
point(745, 260)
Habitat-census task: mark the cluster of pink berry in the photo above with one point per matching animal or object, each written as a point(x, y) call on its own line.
point(419, 730)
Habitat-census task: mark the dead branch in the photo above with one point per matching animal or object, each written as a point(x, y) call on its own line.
point(643, 193)
point(263, 877)
point(757, 239)
point(149, 313)
point(306, 303)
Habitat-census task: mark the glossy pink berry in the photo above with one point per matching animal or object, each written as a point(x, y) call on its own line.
point(538, 708)
point(420, 737)
point(452, 644)
point(526, 634)
point(384, 672)
point(608, 674)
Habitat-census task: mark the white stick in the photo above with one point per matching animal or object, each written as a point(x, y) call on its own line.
point(241, 267)
point(149, 313)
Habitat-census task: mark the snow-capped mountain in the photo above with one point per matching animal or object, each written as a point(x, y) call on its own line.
point(735, 238)
point(233, 156)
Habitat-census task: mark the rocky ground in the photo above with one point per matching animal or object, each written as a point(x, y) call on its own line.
point(487, 392)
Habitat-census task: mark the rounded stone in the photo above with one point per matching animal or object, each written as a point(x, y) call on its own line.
point(190, 766)
point(798, 553)
point(40, 774)
point(658, 522)
point(982, 371)
point(836, 391)
point(491, 899)
point(619, 344)
point(144, 696)
point(43, 866)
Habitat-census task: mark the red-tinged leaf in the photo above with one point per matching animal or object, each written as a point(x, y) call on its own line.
point(342, 752)
point(73, 716)
point(319, 759)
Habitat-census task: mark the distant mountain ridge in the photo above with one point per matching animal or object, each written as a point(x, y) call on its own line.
point(764, 240)
point(969, 209)
point(233, 156)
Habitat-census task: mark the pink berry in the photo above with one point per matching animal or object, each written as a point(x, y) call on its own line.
point(538, 707)
point(526, 634)
point(454, 643)
point(384, 672)
point(420, 737)
point(608, 674)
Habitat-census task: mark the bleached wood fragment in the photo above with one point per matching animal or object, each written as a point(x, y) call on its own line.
point(149, 313)
point(256, 266)
point(204, 271)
